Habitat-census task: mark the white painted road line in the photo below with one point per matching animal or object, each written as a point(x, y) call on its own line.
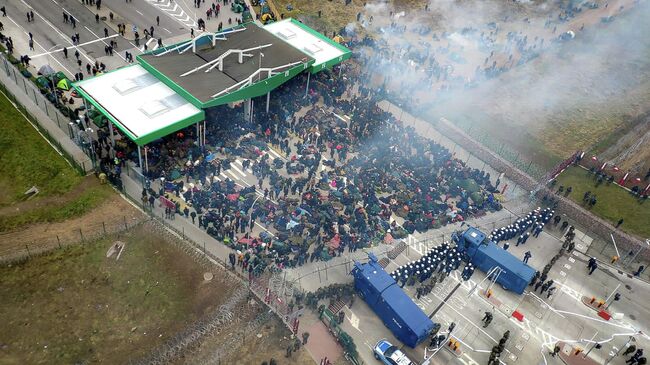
point(100, 39)
point(43, 48)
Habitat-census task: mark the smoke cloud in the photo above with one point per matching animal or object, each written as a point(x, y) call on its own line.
point(524, 71)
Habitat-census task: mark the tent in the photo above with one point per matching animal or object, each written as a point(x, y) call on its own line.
point(46, 70)
point(63, 84)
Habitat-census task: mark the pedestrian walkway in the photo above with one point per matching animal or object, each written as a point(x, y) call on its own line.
point(321, 344)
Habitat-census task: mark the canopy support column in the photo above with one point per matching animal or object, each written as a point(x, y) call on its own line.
point(110, 129)
point(146, 160)
point(140, 158)
point(251, 112)
point(247, 110)
point(307, 88)
point(268, 100)
point(204, 132)
point(198, 133)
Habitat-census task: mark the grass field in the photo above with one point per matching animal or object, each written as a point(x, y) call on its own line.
point(27, 160)
point(613, 202)
point(77, 306)
point(334, 14)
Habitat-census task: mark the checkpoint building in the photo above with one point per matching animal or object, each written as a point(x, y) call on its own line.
point(171, 87)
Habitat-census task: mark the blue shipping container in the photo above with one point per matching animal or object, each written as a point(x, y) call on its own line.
point(396, 309)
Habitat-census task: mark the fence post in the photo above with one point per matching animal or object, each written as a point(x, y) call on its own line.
point(58, 240)
point(183, 232)
point(125, 226)
point(104, 226)
point(204, 252)
point(81, 234)
point(28, 253)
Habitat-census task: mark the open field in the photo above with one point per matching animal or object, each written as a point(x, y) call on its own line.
point(74, 305)
point(613, 202)
point(334, 14)
point(577, 95)
point(28, 160)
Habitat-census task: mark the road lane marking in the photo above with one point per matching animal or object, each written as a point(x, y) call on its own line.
point(100, 39)
point(59, 32)
point(38, 44)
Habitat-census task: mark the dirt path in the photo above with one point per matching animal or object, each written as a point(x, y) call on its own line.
point(110, 216)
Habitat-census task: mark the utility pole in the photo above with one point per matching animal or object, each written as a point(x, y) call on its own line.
point(592, 346)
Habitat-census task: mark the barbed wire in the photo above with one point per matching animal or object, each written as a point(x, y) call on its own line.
point(191, 337)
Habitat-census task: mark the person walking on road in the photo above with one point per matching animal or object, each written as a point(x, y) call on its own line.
point(635, 358)
point(591, 263)
point(551, 290)
point(556, 350)
point(527, 256)
point(4, 11)
point(629, 350)
point(593, 268)
point(639, 271)
point(487, 319)
point(157, 20)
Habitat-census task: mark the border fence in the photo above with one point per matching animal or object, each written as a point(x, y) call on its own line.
point(81, 234)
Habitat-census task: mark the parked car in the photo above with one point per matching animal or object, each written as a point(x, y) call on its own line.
point(390, 354)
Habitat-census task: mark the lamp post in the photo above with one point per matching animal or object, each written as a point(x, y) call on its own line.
point(250, 215)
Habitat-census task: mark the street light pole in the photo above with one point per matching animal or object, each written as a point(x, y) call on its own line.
point(592, 346)
point(250, 216)
point(619, 350)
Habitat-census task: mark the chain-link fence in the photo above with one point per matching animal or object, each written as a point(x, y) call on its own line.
point(87, 233)
point(60, 121)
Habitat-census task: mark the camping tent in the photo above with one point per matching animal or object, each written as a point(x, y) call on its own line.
point(63, 84)
point(46, 70)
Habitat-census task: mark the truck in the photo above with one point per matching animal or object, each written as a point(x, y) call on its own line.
point(486, 255)
point(396, 309)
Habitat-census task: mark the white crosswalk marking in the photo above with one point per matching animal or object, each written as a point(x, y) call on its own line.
point(240, 172)
point(469, 360)
point(571, 292)
point(174, 11)
point(274, 154)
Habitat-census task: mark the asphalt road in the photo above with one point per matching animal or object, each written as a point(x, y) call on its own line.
point(51, 34)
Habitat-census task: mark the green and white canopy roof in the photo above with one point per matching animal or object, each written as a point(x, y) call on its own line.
point(325, 51)
point(139, 104)
point(170, 86)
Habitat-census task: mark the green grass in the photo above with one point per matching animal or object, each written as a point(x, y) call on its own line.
point(335, 14)
point(613, 202)
point(76, 306)
point(27, 160)
point(89, 199)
